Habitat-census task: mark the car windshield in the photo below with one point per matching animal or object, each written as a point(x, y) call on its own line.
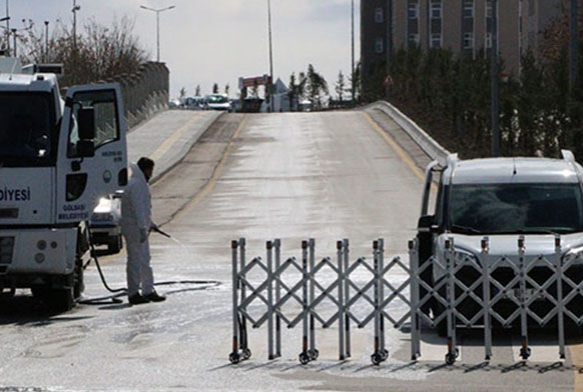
point(217, 99)
point(25, 138)
point(515, 208)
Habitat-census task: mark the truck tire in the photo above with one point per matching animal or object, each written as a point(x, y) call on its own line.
point(61, 300)
point(58, 300)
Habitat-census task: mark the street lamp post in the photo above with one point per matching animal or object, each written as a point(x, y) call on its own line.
point(75, 9)
point(7, 26)
point(270, 84)
point(157, 11)
point(46, 40)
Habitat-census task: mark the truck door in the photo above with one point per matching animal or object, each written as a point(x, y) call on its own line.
point(92, 156)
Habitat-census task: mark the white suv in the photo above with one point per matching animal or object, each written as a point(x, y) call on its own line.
point(502, 199)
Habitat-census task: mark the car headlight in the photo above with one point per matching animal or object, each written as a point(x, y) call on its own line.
point(461, 257)
point(573, 257)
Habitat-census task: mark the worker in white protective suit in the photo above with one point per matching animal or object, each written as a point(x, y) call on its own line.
point(136, 223)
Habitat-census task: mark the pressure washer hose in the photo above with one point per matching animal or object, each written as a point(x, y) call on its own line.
point(122, 291)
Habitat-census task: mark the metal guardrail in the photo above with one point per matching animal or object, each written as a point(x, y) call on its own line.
point(474, 291)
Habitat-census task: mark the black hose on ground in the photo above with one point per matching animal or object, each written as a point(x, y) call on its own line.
point(122, 291)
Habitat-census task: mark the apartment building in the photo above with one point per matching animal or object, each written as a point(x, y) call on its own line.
point(464, 26)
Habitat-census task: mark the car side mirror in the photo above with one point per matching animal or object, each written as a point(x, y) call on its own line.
point(427, 224)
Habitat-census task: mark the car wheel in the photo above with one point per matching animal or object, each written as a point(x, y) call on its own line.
point(115, 246)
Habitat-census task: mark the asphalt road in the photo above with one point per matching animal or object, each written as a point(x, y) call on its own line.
point(291, 176)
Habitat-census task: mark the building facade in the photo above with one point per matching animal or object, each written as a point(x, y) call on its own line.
point(464, 26)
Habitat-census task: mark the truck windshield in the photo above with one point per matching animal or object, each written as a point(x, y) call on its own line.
point(25, 129)
point(515, 208)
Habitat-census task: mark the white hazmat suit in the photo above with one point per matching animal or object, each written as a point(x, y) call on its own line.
point(136, 220)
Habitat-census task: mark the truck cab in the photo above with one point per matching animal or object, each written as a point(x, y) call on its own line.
point(58, 157)
point(502, 199)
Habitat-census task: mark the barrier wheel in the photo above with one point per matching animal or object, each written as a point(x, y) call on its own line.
point(377, 358)
point(246, 353)
point(525, 353)
point(313, 354)
point(235, 358)
point(450, 358)
point(385, 354)
point(304, 358)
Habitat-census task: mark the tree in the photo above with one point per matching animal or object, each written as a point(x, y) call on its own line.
point(227, 88)
point(197, 90)
point(215, 88)
point(101, 52)
point(316, 87)
point(340, 86)
point(182, 93)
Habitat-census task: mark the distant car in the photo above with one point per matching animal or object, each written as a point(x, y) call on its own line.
point(193, 103)
point(105, 223)
point(217, 102)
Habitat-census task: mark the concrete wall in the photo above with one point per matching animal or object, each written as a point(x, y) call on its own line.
point(145, 92)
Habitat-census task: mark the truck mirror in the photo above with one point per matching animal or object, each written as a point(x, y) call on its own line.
point(86, 123)
point(85, 148)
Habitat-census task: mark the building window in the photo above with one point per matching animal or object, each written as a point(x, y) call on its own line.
point(379, 45)
point(413, 9)
point(468, 40)
point(378, 15)
point(488, 9)
point(436, 9)
point(413, 40)
point(488, 40)
point(435, 40)
point(469, 9)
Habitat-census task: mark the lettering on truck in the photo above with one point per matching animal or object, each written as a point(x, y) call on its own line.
point(9, 194)
point(74, 211)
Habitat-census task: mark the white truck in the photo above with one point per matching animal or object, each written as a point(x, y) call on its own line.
point(58, 157)
point(504, 200)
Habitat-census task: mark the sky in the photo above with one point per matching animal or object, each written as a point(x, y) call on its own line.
point(204, 42)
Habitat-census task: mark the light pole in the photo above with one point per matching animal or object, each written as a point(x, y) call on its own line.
point(157, 11)
point(75, 9)
point(46, 40)
point(495, 75)
point(352, 89)
point(270, 83)
point(8, 27)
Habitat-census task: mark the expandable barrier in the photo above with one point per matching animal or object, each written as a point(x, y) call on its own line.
point(471, 291)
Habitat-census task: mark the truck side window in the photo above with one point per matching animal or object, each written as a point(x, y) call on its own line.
point(106, 124)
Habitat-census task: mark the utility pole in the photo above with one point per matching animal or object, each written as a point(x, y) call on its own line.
point(494, 75)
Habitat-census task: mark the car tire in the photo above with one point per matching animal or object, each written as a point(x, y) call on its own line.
point(115, 246)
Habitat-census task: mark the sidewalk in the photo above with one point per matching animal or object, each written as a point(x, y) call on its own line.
point(168, 136)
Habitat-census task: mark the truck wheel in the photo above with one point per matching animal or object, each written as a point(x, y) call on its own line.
point(79, 283)
point(61, 300)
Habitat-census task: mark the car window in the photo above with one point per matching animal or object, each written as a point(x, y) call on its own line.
point(515, 208)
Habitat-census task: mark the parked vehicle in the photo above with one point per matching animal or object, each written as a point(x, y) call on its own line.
point(503, 199)
point(105, 223)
